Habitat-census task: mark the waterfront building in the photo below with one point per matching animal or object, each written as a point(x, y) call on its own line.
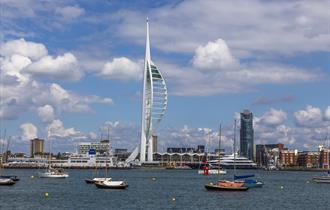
point(246, 135)
point(288, 158)
point(154, 104)
point(324, 158)
point(101, 147)
point(36, 147)
point(307, 159)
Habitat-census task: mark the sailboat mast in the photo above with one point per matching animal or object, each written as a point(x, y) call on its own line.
point(235, 148)
point(49, 155)
point(219, 149)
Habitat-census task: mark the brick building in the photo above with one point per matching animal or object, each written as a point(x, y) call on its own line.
point(288, 158)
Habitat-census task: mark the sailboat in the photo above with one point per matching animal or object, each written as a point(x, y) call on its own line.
point(50, 171)
point(97, 179)
point(6, 180)
point(107, 182)
point(226, 185)
point(207, 169)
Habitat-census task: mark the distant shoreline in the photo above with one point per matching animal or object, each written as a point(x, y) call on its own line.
point(155, 167)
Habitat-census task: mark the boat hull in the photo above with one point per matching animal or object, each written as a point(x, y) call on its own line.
point(7, 182)
point(322, 179)
point(102, 185)
point(216, 187)
point(49, 175)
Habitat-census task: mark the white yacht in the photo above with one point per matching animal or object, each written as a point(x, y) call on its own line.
point(53, 173)
point(228, 162)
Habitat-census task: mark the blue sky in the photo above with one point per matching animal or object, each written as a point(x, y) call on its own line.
point(76, 67)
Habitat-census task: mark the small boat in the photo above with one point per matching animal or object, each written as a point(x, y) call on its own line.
point(4, 181)
point(54, 173)
point(14, 178)
point(323, 179)
point(109, 184)
point(226, 186)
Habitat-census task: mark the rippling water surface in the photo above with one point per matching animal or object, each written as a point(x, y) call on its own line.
point(187, 187)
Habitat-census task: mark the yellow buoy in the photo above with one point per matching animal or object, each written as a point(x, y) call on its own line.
point(46, 194)
point(32, 177)
point(173, 199)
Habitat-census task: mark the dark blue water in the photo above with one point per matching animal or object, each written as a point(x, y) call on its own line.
point(187, 187)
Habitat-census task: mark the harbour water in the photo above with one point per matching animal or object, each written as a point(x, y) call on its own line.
point(170, 189)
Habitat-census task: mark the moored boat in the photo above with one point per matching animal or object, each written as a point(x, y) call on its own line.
point(109, 184)
point(323, 179)
point(53, 173)
point(4, 181)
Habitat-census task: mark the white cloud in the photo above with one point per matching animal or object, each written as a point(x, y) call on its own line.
point(56, 129)
point(242, 78)
point(122, 69)
point(311, 117)
point(28, 131)
point(70, 12)
point(28, 49)
point(46, 113)
point(273, 117)
point(215, 55)
point(327, 113)
point(246, 27)
point(13, 65)
point(63, 67)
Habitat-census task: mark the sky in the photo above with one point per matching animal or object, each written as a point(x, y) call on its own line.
point(71, 69)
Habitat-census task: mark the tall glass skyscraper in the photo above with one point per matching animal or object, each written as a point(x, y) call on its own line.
point(246, 135)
